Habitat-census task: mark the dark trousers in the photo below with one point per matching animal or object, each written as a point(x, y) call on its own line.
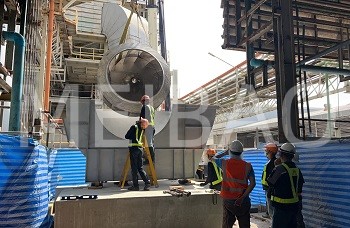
point(300, 217)
point(136, 166)
point(233, 212)
point(284, 218)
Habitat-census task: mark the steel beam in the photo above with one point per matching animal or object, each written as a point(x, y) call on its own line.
point(249, 46)
point(324, 52)
point(287, 106)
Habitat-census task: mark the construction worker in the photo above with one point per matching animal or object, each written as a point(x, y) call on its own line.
point(134, 135)
point(235, 188)
point(300, 217)
point(270, 152)
point(202, 169)
point(147, 112)
point(285, 187)
point(214, 172)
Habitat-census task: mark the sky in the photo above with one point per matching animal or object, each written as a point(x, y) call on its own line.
point(194, 28)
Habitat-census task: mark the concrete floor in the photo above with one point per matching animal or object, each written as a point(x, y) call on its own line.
point(257, 221)
point(120, 207)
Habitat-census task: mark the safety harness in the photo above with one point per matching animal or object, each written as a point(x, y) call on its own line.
point(151, 110)
point(292, 172)
point(138, 140)
point(218, 173)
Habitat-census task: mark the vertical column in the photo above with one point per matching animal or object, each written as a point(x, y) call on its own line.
point(287, 106)
point(249, 46)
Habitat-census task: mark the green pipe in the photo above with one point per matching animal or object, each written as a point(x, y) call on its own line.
point(17, 80)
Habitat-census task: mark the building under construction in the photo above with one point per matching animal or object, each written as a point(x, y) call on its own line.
point(73, 73)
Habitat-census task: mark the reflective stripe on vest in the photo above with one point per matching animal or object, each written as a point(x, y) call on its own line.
point(151, 111)
point(292, 172)
point(218, 173)
point(235, 178)
point(138, 140)
point(263, 180)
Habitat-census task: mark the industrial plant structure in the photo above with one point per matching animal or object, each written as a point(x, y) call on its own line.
point(73, 73)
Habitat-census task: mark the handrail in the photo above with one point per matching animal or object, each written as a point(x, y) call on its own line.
point(95, 53)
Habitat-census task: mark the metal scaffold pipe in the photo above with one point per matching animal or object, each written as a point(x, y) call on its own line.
point(48, 57)
point(17, 82)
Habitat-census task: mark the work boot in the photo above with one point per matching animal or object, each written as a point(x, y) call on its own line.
point(147, 186)
point(133, 188)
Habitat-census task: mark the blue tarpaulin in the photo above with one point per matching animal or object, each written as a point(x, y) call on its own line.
point(23, 183)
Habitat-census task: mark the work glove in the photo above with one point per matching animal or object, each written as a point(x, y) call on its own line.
point(203, 184)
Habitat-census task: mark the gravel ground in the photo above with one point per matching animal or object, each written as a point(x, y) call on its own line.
point(257, 221)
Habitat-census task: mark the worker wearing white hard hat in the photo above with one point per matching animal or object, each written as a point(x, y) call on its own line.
point(238, 182)
point(285, 187)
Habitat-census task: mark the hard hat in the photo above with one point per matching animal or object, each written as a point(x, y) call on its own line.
point(271, 147)
point(288, 148)
point(144, 98)
point(211, 152)
point(144, 122)
point(236, 147)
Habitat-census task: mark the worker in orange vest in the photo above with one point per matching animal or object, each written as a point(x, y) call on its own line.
point(238, 182)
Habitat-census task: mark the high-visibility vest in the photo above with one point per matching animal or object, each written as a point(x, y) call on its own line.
point(152, 114)
point(138, 141)
point(263, 179)
point(292, 172)
point(218, 173)
point(235, 178)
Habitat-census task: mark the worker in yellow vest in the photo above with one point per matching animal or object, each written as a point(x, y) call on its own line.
point(238, 182)
point(270, 152)
point(148, 112)
point(134, 135)
point(214, 177)
point(285, 187)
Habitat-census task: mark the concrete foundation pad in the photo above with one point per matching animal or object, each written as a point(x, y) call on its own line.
point(115, 207)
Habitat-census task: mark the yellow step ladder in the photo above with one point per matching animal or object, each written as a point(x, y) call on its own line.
point(151, 171)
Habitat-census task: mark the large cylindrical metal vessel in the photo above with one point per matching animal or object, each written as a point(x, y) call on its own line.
point(129, 70)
